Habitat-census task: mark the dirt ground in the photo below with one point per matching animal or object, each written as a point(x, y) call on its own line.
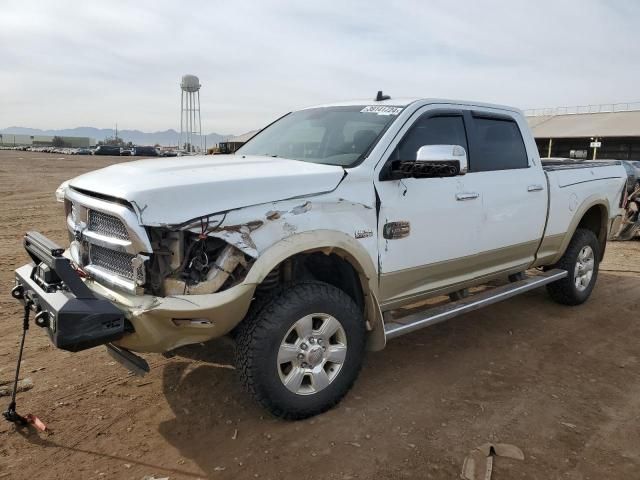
point(561, 383)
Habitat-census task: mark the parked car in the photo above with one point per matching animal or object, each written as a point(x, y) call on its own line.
point(633, 175)
point(107, 150)
point(126, 152)
point(630, 226)
point(636, 165)
point(142, 151)
point(306, 243)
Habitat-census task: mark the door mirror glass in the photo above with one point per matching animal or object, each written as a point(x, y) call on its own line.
point(432, 161)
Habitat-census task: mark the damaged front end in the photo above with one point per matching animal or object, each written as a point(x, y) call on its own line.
point(163, 278)
point(108, 245)
point(193, 288)
point(179, 284)
point(188, 262)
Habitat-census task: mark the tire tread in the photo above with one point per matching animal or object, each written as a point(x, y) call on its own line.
point(263, 318)
point(563, 291)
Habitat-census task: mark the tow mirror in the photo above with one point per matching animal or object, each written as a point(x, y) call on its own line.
point(432, 161)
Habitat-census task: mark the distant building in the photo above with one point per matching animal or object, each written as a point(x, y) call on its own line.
point(596, 131)
point(231, 144)
point(11, 140)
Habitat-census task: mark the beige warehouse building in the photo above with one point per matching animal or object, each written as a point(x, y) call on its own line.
point(13, 140)
point(595, 131)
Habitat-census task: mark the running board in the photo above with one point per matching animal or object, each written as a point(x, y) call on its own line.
point(416, 321)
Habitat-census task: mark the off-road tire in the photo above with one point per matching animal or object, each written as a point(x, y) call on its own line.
point(565, 291)
point(260, 334)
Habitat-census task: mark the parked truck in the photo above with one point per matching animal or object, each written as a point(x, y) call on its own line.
point(305, 245)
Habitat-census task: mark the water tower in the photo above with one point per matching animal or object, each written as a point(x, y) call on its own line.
point(190, 124)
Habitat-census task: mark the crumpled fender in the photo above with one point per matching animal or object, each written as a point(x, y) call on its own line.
point(341, 244)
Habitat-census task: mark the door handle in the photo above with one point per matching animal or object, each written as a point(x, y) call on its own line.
point(535, 188)
point(461, 197)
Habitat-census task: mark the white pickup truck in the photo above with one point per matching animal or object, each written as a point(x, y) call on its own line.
point(306, 244)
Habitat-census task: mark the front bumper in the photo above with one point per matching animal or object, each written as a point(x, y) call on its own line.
point(164, 323)
point(72, 315)
point(85, 313)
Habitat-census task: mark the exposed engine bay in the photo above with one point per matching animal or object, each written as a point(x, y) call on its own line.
point(185, 262)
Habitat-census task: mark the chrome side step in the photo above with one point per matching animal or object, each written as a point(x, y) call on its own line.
point(416, 321)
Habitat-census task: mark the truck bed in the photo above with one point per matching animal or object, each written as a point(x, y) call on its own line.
point(572, 187)
point(551, 164)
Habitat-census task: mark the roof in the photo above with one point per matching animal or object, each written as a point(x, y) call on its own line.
point(395, 102)
point(609, 124)
point(403, 102)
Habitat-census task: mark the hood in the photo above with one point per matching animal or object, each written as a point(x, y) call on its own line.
point(171, 191)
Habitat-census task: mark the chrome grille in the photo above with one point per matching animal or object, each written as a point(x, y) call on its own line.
point(107, 242)
point(119, 263)
point(107, 225)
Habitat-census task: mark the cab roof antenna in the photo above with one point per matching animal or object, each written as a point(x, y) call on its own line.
point(380, 97)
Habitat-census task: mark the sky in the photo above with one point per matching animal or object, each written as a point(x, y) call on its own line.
point(94, 63)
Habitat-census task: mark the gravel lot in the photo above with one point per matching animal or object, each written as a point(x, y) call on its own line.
point(561, 383)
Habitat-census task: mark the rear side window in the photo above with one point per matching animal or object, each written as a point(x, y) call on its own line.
point(498, 146)
point(446, 130)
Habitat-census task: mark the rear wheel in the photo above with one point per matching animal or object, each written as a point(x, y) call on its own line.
point(581, 261)
point(300, 352)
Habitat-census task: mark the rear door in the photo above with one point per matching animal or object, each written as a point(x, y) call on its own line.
point(512, 186)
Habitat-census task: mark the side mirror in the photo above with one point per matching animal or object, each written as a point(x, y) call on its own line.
point(432, 161)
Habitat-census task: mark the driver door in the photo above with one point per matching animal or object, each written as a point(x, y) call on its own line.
point(443, 216)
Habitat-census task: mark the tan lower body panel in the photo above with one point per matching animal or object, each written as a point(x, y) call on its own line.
point(549, 249)
point(153, 317)
point(405, 286)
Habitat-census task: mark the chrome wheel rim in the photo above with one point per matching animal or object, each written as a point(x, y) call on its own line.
point(585, 266)
point(312, 353)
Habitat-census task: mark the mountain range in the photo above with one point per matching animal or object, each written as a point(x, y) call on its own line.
point(137, 137)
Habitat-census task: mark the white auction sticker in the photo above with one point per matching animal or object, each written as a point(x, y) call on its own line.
point(381, 110)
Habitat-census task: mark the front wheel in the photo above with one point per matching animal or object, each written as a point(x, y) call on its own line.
point(300, 352)
point(581, 261)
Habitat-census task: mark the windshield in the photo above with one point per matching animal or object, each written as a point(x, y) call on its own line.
point(331, 135)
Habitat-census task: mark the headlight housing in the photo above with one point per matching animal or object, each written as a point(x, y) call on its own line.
point(60, 191)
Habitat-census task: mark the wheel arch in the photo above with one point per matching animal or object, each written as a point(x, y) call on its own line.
point(593, 214)
point(330, 243)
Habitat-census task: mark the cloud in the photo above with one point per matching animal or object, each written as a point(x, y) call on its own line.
point(70, 63)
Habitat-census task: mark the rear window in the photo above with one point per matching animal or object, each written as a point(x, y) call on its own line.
point(498, 146)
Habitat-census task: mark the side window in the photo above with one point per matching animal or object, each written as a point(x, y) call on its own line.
point(498, 146)
point(445, 130)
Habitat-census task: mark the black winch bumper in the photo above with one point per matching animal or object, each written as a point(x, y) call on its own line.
point(74, 317)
